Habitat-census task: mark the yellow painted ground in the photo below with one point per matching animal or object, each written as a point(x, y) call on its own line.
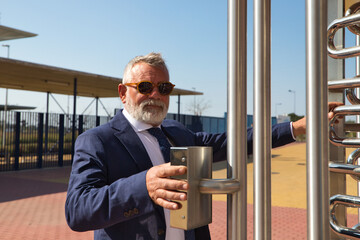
point(288, 184)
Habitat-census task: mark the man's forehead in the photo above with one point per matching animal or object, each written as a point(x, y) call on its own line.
point(145, 70)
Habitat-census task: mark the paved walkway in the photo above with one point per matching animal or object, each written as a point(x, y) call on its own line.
point(32, 201)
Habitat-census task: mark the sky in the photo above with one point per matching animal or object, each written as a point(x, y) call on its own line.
point(102, 36)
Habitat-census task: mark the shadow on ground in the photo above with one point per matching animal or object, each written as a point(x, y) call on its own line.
point(31, 183)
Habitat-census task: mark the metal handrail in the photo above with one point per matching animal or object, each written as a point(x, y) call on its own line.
point(334, 138)
point(219, 186)
point(344, 83)
point(348, 201)
point(353, 159)
point(337, 24)
point(351, 96)
point(351, 10)
point(350, 169)
point(348, 85)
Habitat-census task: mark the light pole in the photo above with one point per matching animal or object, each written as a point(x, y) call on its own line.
point(293, 91)
point(6, 102)
point(276, 104)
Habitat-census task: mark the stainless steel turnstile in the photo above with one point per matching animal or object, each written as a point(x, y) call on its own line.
point(325, 53)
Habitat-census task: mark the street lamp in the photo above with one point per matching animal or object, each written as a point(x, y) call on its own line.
point(293, 91)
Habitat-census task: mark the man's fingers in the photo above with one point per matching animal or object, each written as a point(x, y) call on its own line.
point(168, 204)
point(167, 171)
point(171, 195)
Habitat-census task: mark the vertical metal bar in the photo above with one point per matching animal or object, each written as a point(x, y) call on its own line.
point(98, 121)
point(81, 122)
point(40, 139)
point(178, 113)
point(236, 125)
point(47, 124)
point(61, 140)
point(262, 121)
point(357, 91)
point(97, 106)
point(5, 118)
point(17, 141)
point(336, 71)
point(73, 121)
point(317, 121)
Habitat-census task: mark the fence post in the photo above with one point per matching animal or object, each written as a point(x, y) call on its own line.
point(61, 140)
point(40, 139)
point(17, 141)
point(81, 122)
point(97, 120)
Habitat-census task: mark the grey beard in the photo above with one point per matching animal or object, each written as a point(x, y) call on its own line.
point(147, 114)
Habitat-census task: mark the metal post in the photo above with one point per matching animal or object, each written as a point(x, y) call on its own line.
point(317, 122)
point(6, 103)
point(262, 121)
point(73, 121)
point(81, 123)
point(40, 140)
point(236, 125)
point(336, 71)
point(17, 141)
point(5, 118)
point(357, 70)
point(46, 124)
point(178, 113)
point(61, 141)
point(97, 106)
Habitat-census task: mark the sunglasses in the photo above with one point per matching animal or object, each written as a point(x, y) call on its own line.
point(146, 87)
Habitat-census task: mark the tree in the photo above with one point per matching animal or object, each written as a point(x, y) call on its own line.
point(294, 117)
point(198, 107)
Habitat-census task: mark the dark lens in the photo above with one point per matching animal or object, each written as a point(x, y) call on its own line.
point(145, 87)
point(165, 88)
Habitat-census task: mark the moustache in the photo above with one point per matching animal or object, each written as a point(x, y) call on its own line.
point(152, 102)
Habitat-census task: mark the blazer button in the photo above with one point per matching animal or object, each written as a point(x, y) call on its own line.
point(136, 211)
point(161, 231)
point(131, 212)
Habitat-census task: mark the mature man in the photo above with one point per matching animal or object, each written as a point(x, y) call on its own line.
point(119, 183)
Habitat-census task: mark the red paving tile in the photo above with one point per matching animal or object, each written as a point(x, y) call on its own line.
point(32, 207)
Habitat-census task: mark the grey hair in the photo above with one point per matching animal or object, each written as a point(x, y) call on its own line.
point(153, 59)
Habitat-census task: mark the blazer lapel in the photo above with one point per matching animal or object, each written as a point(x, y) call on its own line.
point(128, 137)
point(176, 135)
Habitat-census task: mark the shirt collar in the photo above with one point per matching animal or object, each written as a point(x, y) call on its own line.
point(138, 126)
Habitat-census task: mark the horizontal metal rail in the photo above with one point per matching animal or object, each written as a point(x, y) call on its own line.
point(219, 186)
point(346, 169)
point(341, 141)
point(337, 24)
point(344, 83)
point(348, 201)
point(349, 85)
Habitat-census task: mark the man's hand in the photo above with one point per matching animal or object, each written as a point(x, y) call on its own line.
point(163, 190)
point(299, 127)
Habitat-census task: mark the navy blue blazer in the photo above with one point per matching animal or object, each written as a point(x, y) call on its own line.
point(107, 189)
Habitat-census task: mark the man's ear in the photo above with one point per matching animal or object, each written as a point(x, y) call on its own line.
point(122, 92)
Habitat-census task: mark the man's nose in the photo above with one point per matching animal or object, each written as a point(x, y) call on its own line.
point(155, 93)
